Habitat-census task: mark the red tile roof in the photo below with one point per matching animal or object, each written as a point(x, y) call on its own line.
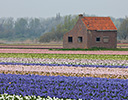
point(99, 23)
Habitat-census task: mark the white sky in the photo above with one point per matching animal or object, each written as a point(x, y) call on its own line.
point(49, 8)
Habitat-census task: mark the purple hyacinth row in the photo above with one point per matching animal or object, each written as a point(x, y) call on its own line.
point(64, 87)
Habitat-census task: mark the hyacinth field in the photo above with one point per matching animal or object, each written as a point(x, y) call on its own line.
point(40, 74)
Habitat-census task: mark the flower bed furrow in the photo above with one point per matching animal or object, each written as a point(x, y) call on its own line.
point(65, 69)
point(66, 61)
point(112, 76)
point(64, 87)
point(69, 65)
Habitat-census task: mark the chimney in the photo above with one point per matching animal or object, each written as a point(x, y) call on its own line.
point(81, 16)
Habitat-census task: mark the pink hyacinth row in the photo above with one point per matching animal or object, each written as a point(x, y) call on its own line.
point(62, 52)
point(65, 69)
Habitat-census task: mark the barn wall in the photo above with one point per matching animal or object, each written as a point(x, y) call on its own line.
point(112, 43)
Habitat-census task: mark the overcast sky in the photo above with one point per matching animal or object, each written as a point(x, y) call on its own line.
point(49, 8)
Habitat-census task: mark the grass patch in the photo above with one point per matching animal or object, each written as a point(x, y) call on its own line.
point(92, 49)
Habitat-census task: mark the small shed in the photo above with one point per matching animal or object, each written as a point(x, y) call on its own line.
point(91, 32)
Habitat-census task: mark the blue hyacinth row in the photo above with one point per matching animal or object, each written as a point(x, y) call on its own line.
point(74, 65)
point(64, 87)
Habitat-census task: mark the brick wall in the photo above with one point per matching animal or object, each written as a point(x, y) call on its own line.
point(112, 39)
point(78, 30)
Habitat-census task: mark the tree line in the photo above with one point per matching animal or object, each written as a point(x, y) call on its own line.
point(21, 29)
point(49, 29)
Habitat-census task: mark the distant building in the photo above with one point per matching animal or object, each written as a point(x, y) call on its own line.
point(91, 32)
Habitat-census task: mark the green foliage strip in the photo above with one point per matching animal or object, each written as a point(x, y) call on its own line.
point(64, 56)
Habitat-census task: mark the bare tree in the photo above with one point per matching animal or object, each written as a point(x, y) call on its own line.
point(123, 29)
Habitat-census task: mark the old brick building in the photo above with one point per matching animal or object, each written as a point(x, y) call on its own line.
point(91, 32)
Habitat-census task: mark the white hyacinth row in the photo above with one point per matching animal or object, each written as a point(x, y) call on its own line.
point(66, 61)
point(19, 97)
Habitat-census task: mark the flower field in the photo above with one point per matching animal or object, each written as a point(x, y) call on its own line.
point(50, 76)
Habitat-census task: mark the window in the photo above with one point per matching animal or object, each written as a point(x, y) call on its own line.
point(98, 39)
point(69, 39)
point(79, 39)
point(106, 39)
